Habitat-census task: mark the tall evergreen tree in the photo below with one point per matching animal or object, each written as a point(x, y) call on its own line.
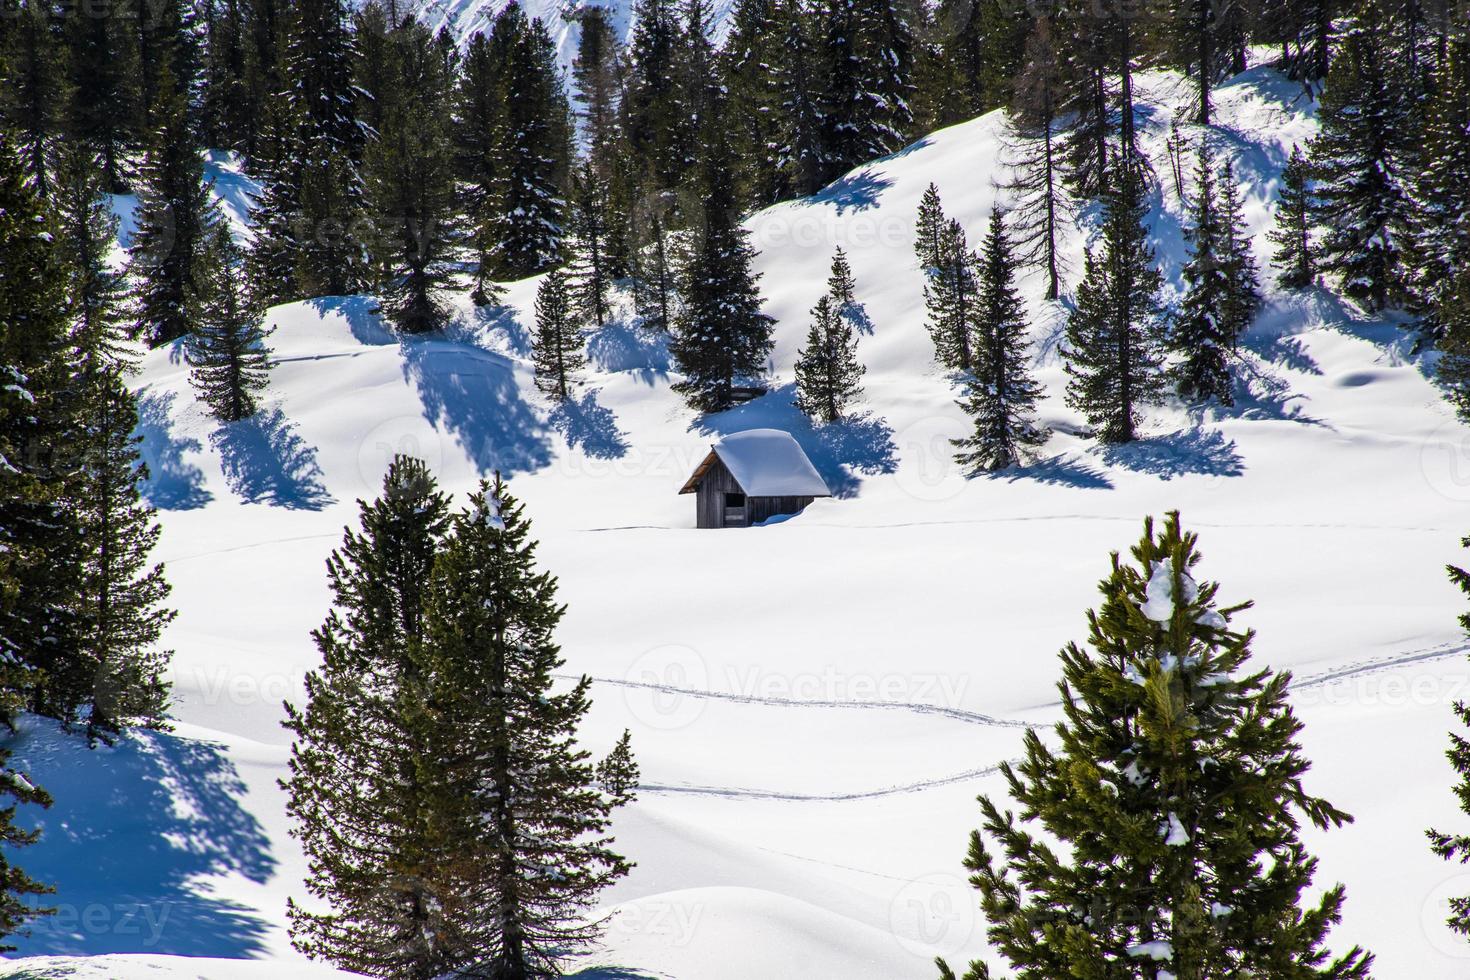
point(228, 360)
point(226, 111)
point(722, 336)
point(529, 221)
point(479, 121)
point(1202, 329)
point(590, 244)
point(174, 221)
point(31, 603)
point(101, 79)
point(557, 350)
point(1243, 295)
point(1176, 794)
point(983, 40)
point(802, 151)
point(840, 284)
point(597, 83)
point(409, 178)
point(358, 788)
point(1041, 206)
point(112, 679)
point(747, 65)
point(1000, 395)
point(1296, 252)
point(1361, 189)
point(31, 98)
point(1441, 192)
point(828, 374)
point(655, 266)
point(867, 58)
point(929, 230)
point(1113, 333)
point(519, 807)
point(950, 296)
point(652, 105)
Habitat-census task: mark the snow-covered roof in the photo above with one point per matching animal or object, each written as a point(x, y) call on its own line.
point(766, 463)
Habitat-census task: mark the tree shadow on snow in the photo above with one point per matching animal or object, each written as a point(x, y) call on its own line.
point(361, 315)
point(1062, 469)
point(1189, 451)
point(265, 461)
point(619, 346)
point(132, 829)
point(586, 424)
point(173, 482)
point(611, 973)
point(854, 192)
point(841, 451)
point(473, 393)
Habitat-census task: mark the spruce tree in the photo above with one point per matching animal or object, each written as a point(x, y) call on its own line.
point(597, 83)
point(1113, 333)
point(534, 153)
point(18, 890)
point(929, 230)
point(479, 120)
point(1041, 207)
point(747, 64)
point(802, 153)
point(409, 179)
point(1202, 329)
point(1361, 189)
point(722, 337)
point(1161, 836)
point(589, 245)
point(1296, 253)
point(652, 104)
point(519, 808)
point(557, 349)
point(174, 219)
point(1000, 395)
point(229, 363)
point(39, 410)
point(950, 297)
point(1456, 847)
point(113, 677)
point(271, 258)
point(1242, 281)
point(828, 374)
point(1441, 192)
point(225, 116)
point(360, 771)
point(31, 97)
point(867, 59)
point(840, 284)
point(101, 80)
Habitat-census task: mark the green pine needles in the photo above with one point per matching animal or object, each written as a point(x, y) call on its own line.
point(1157, 835)
point(452, 823)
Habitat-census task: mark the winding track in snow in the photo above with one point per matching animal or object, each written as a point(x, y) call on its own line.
point(1421, 655)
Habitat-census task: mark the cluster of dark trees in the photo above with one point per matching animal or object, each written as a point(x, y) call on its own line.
point(451, 822)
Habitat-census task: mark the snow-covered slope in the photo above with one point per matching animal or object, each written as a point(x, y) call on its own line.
point(814, 722)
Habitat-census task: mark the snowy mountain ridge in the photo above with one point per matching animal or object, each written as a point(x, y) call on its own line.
point(814, 722)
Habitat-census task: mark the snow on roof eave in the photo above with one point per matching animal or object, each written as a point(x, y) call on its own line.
point(764, 463)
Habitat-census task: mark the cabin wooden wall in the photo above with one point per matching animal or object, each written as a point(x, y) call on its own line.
point(710, 500)
point(710, 506)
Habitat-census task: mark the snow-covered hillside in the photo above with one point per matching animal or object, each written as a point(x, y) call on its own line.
point(814, 721)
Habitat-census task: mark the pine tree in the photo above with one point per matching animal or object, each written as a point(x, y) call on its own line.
point(479, 121)
point(722, 337)
point(271, 258)
point(228, 360)
point(318, 62)
point(802, 154)
point(1441, 192)
point(589, 245)
point(1456, 847)
point(226, 113)
point(597, 83)
point(1174, 798)
point(1243, 282)
point(652, 106)
point(1356, 157)
point(31, 331)
point(517, 803)
point(1113, 332)
point(1041, 206)
point(1296, 253)
point(557, 351)
point(112, 678)
point(929, 230)
point(747, 62)
point(827, 368)
point(358, 788)
point(1001, 395)
point(174, 220)
point(32, 94)
point(983, 40)
point(840, 284)
point(950, 297)
point(409, 179)
point(867, 59)
point(101, 79)
point(534, 154)
point(38, 414)
point(1453, 314)
point(1202, 329)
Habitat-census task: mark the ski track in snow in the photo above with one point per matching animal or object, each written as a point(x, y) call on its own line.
point(1442, 651)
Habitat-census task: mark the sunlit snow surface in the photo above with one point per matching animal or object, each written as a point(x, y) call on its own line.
point(814, 704)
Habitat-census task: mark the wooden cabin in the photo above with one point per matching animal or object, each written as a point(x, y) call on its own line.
point(751, 476)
